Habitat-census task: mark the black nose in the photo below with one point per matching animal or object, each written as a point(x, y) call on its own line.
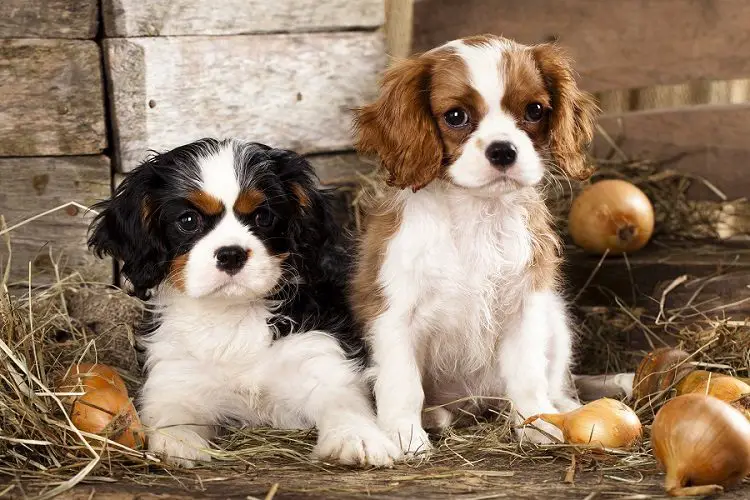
point(501, 153)
point(231, 259)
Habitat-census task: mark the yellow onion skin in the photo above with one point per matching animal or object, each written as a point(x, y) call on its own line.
point(612, 216)
point(86, 377)
point(743, 405)
point(605, 422)
point(659, 370)
point(109, 413)
point(718, 385)
point(702, 443)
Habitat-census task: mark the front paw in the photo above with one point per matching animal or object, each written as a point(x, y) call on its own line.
point(364, 444)
point(566, 404)
point(179, 445)
point(409, 436)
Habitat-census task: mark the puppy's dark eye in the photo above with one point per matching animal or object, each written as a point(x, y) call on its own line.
point(534, 112)
point(456, 118)
point(264, 217)
point(189, 222)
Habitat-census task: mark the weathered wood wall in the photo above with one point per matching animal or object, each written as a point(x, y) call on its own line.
point(129, 18)
point(631, 44)
point(52, 134)
point(292, 91)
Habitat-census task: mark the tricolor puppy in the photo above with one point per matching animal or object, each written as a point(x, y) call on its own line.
point(238, 254)
point(457, 275)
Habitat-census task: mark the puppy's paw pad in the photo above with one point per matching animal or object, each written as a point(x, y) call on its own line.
point(179, 446)
point(365, 447)
point(411, 437)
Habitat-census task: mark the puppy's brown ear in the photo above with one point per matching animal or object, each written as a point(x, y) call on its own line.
point(399, 127)
point(574, 112)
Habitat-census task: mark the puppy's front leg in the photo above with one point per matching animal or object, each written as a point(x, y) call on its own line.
point(308, 377)
point(178, 417)
point(559, 351)
point(398, 388)
point(524, 368)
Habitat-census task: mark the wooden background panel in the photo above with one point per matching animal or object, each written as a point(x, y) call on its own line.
point(292, 91)
point(51, 98)
point(628, 43)
point(33, 185)
point(340, 169)
point(124, 18)
point(707, 141)
point(48, 18)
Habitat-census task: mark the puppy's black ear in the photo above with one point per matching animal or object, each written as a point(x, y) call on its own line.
point(123, 230)
point(313, 229)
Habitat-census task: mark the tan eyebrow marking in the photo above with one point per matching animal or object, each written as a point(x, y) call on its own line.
point(248, 201)
point(206, 203)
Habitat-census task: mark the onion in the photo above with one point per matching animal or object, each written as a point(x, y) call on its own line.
point(718, 385)
point(743, 404)
point(109, 413)
point(611, 215)
point(702, 443)
point(659, 370)
point(85, 377)
point(604, 422)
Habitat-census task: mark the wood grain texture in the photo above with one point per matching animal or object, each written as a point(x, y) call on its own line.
point(48, 18)
point(33, 185)
point(708, 141)
point(292, 91)
point(126, 18)
point(647, 274)
point(51, 98)
point(629, 43)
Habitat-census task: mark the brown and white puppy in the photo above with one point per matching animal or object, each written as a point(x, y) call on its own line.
point(457, 275)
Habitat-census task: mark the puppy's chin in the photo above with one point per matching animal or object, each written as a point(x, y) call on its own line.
point(487, 179)
point(248, 284)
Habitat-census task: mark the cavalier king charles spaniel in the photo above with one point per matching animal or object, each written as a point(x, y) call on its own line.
point(237, 253)
point(456, 281)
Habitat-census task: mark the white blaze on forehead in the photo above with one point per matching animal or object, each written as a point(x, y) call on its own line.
point(218, 176)
point(484, 63)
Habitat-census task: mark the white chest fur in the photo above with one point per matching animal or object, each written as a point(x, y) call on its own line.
point(458, 265)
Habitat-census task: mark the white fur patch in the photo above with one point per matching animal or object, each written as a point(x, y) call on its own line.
point(214, 360)
point(461, 319)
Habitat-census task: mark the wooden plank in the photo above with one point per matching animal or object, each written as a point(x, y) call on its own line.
point(398, 26)
point(292, 91)
point(707, 141)
point(125, 18)
point(34, 185)
point(51, 98)
point(48, 19)
point(642, 280)
point(629, 43)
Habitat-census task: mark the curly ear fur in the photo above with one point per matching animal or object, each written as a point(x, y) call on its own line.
point(574, 112)
point(122, 231)
point(399, 127)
